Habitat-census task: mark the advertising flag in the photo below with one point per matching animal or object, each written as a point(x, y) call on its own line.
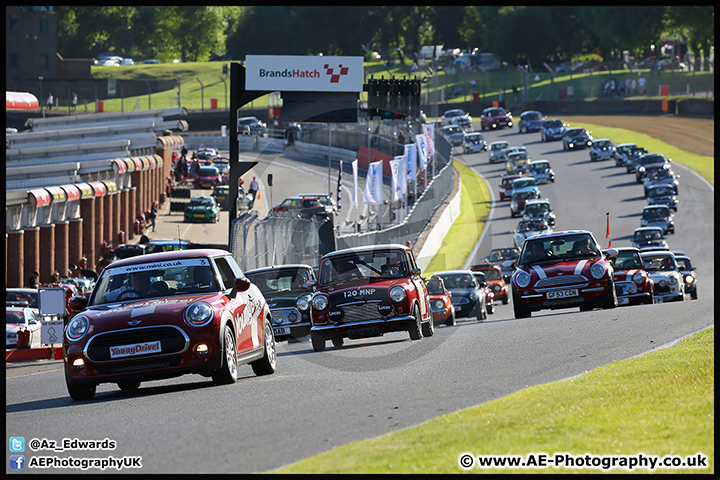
point(422, 147)
point(339, 190)
point(399, 180)
point(411, 158)
point(355, 182)
point(373, 184)
point(429, 131)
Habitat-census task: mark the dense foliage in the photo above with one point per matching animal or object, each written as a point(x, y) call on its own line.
point(515, 34)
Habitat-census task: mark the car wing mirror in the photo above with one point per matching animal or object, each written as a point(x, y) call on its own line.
point(509, 264)
point(78, 303)
point(242, 284)
point(416, 271)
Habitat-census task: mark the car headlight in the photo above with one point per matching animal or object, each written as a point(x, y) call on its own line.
point(320, 302)
point(302, 304)
point(397, 294)
point(689, 279)
point(638, 278)
point(199, 314)
point(496, 288)
point(662, 283)
point(672, 281)
point(522, 279)
point(474, 296)
point(438, 304)
point(597, 270)
point(77, 327)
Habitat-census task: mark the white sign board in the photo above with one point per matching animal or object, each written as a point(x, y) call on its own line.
point(303, 73)
point(52, 301)
point(51, 332)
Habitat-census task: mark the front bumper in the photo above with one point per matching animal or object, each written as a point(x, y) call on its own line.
point(536, 299)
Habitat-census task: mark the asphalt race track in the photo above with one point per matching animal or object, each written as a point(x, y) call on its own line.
point(320, 400)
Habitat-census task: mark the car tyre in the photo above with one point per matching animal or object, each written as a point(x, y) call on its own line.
point(415, 327)
point(428, 329)
point(78, 391)
point(227, 373)
point(505, 299)
point(518, 309)
point(338, 342)
point(610, 297)
point(693, 294)
point(318, 341)
point(268, 363)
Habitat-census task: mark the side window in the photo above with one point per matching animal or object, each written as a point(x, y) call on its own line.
point(228, 272)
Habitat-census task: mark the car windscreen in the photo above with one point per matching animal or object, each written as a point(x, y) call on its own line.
point(363, 265)
point(272, 282)
point(553, 124)
point(498, 146)
point(458, 281)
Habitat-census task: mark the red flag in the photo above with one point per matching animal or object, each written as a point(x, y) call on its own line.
point(607, 234)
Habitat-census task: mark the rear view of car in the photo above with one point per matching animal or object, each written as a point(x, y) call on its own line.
point(530, 121)
point(553, 129)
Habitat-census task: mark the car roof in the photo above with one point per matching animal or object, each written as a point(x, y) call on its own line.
point(561, 233)
point(537, 200)
point(202, 197)
point(452, 272)
point(657, 252)
point(368, 248)
point(272, 268)
point(499, 142)
point(165, 256)
point(643, 229)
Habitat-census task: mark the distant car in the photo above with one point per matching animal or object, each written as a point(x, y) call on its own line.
point(18, 319)
point(288, 290)
point(127, 61)
point(506, 185)
point(202, 208)
point(206, 153)
point(687, 270)
point(252, 126)
point(108, 62)
point(539, 209)
point(658, 216)
point(602, 149)
point(664, 270)
point(562, 270)
point(440, 302)
point(648, 160)
point(164, 315)
point(454, 134)
point(221, 194)
point(156, 245)
point(576, 137)
point(519, 197)
point(621, 151)
point(474, 142)
point(553, 129)
point(530, 121)
point(499, 256)
point(542, 171)
point(631, 157)
point(23, 297)
point(306, 201)
point(649, 237)
point(633, 284)
point(529, 228)
point(498, 151)
point(517, 162)
point(662, 194)
point(369, 291)
point(207, 176)
point(523, 182)
point(500, 290)
point(224, 169)
point(662, 175)
point(150, 61)
point(456, 117)
point(468, 296)
point(495, 117)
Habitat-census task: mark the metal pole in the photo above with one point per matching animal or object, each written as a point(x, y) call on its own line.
point(226, 92)
point(202, 95)
point(329, 157)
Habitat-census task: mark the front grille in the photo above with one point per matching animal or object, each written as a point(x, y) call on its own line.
point(459, 300)
point(285, 316)
point(661, 290)
point(172, 340)
point(358, 312)
point(563, 280)
point(138, 366)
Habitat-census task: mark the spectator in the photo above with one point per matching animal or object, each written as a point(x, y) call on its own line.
point(153, 215)
point(641, 84)
point(254, 187)
point(178, 98)
point(633, 87)
point(515, 92)
point(33, 281)
point(74, 102)
point(50, 101)
point(55, 277)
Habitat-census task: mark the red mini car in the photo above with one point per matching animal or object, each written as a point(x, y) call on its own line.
point(167, 314)
point(506, 185)
point(494, 278)
point(633, 284)
point(440, 303)
point(495, 117)
point(562, 270)
point(367, 292)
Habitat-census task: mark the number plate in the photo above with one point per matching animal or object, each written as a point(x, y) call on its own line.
point(623, 301)
point(562, 294)
point(281, 331)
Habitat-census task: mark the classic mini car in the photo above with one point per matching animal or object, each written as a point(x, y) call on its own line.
point(221, 194)
point(658, 216)
point(474, 142)
point(664, 270)
point(206, 153)
point(288, 290)
point(440, 302)
point(496, 283)
point(495, 117)
point(499, 256)
point(649, 237)
point(207, 177)
point(517, 162)
point(489, 297)
point(602, 149)
point(164, 315)
point(519, 197)
point(23, 319)
point(506, 185)
point(553, 129)
point(529, 228)
point(456, 117)
point(498, 152)
point(562, 270)
point(621, 151)
point(662, 194)
point(252, 126)
point(224, 169)
point(576, 137)
point(530, 121)
point(631, 158)
point(23, 297)
point(454, 134)
point(320, 201)
point(367, 292)
point(157, 245)
point(202, 208)
point(468, 296)
point(661, 176)
point(633, 284)
point(539, 209)
point(648, 160)
point(688, 273)
point(542, 171)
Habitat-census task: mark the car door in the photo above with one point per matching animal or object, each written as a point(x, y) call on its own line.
point(246, 307)
point(420, 285)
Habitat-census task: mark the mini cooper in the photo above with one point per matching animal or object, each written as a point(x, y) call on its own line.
point(498, 152)
point(506, 185)
point(517, 162)
point(495, 117)
point(553, 129)
point(648, 160)
point(530, 121)
point(454, 134)
point(494, 277)
point(602, 149)
point(633, 284)
point(456, 117)
point(474, 142)
point(529, 228)
point(468, 297)
point(688, 272)
point(369, 291)
point(621, 151)
point(499, 256)
point(221, 194)
point(288, 290)
point(658, 216)
point(631, 158)
point(575, 138)
point(664, 270)
point(562, 270)
point(661, 176)
point(207, 177)
point(519, 197)
point(440, 302)
point(163, 315)
point(539, 210)
point(662, 194)
point(542, 171)
point(202, 208)
point(22, 319)
point(649, 237)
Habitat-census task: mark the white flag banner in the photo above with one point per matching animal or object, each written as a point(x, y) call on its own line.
point(373, 184)
point(429, 131)
point(422, 147)
point(355, 182)
point(399, 180)
point(411, 158)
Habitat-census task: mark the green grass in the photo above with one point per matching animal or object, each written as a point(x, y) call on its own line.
point(661, 403)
